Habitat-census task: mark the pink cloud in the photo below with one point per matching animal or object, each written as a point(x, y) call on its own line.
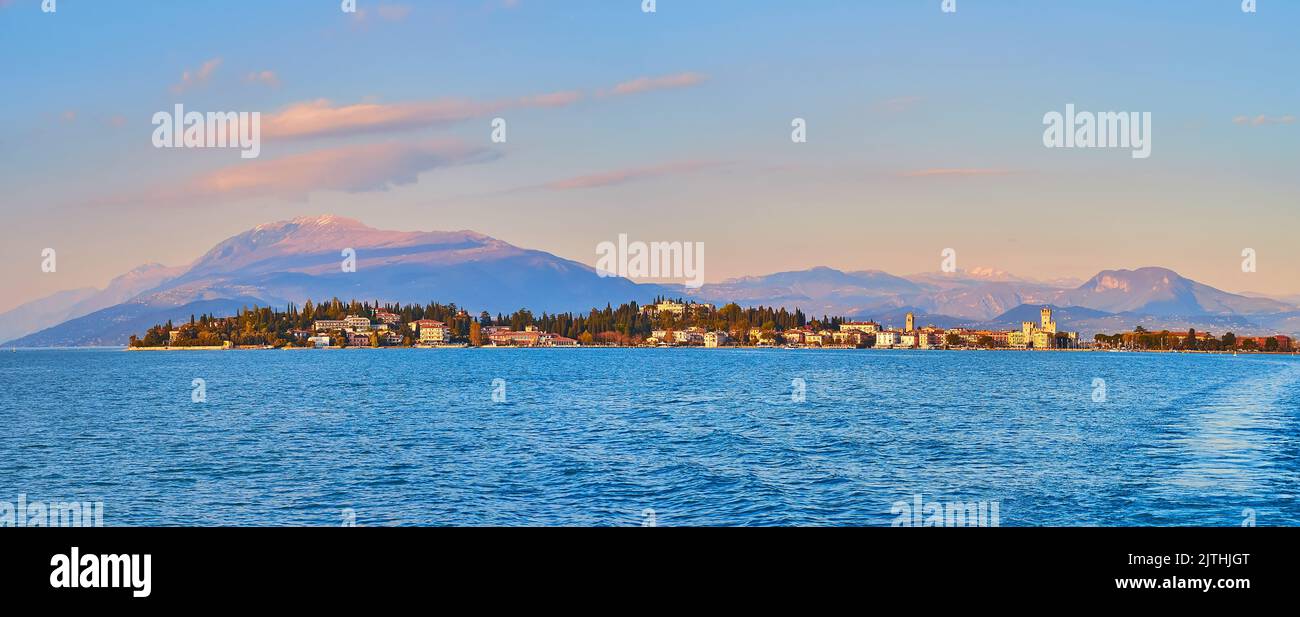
point(263, 77)
point(196, 78)
point(386, 12)
point(1262, 120)
point(622, 176)
point(647, 84)
point(322, 118)
point(351, 169)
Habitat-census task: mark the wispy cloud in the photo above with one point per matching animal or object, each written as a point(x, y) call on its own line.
point(663, 82)
point(351, 169)
point(623, 176)
point(196, 78)
point(323, 118)
point(955, 171)
point(1262, 120)
point(268, 78)
point(386, 12)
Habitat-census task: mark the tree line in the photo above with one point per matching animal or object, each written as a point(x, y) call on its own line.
point(625, 324)
point(1166, 340)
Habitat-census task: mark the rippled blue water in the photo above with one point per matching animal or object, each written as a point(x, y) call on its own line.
point(700, 437)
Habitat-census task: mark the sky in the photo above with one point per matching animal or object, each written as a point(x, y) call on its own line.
point(924, 131)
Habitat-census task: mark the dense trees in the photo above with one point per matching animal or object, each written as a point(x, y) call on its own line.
point(626, 324)
point(1140, 338)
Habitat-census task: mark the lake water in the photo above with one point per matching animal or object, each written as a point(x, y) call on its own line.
point(669, 436)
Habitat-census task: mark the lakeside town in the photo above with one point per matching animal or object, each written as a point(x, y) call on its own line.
point(663, 323)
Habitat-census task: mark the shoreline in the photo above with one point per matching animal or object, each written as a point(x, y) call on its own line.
point(732, 348)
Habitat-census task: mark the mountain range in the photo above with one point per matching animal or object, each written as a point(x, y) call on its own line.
point(290, 261)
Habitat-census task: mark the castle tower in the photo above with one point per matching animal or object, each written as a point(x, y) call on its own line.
point(1048, 324)
point(911, 322)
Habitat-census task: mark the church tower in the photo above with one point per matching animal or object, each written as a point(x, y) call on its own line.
point(911, 322)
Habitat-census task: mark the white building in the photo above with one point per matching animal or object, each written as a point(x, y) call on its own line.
point(888, 338)
point(358, 324)
point(329, 325)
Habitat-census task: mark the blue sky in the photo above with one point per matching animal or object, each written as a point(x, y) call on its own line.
point(924, 130)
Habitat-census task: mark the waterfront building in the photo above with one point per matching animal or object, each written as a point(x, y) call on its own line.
point(867, 327)
point(357, 324)
point(852, 337)
point(888, 338)
point(929, 338)
point(530, 337)
point(678, 309)
point(319, 341)
point(761, 337)
point(329, 325)
point(431, 332)
point(716, 339)
point(1042, 335)
point(358, 339)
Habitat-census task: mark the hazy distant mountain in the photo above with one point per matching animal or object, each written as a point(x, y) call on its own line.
point(291, 261)
point(816, 291)
point(1088, 322)
point(1064, 316)
point(43, 313)
point(1293, 299)
point(982, 275)
point(114, 326)
point(1160, 291)
point(1111, 301)
point(897, 317)
point(64, 305)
